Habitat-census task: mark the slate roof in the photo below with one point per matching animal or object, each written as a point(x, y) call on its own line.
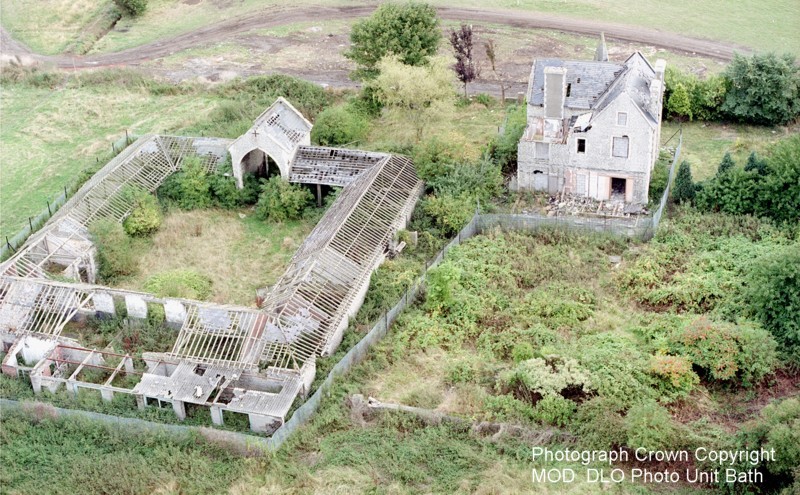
point(594, 77)
point(594, 85)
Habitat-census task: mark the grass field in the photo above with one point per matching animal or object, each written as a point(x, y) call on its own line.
point(764, 25)
point(49, 136)
point(239, 255)
point(705, 143)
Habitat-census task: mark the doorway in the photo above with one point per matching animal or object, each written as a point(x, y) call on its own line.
point(618, 188)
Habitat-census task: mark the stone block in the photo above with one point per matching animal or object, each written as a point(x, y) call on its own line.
point(137, 307)
point(103, 303)
point(175, 313)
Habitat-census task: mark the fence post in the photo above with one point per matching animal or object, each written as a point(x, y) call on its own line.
point(49, 211)
point(30, 223)
point(65, 193)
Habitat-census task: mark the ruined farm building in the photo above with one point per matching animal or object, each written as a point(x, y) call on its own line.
point(593, 127)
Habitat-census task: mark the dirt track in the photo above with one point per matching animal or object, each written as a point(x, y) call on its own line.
point(275, 17)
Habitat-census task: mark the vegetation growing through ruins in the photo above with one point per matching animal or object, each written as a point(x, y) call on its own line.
point(281, 200)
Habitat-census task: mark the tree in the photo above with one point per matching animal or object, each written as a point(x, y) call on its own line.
point(415, 96)
point(684, 190)
point(726, 164)
point(500, 76)
point(755, 163)
point(779, 194)
point(133, 8)
point(679, 103)
point(409, 31)
point(763, 89)
point(281, 200)
point(461, 41)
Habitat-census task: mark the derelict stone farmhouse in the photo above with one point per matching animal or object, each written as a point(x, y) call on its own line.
point(593, 127)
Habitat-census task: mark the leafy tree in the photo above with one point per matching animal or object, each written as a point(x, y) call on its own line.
point(707, 96)
point(726, 164)
point(336, 126)
point(133, 8)
point(415, 96)
point(408, 31)
point(679, 103)
point(684, 190)
point(773, 294)
point(281, 200)
point(763, 89)
point(461, 41)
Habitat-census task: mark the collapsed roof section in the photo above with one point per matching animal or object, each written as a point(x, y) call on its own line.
point(327, 278)
point(63, 247)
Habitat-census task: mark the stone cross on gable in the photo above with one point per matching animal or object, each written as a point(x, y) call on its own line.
point(255, 133)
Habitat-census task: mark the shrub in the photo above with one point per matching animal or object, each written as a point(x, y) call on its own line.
point(522, 351)
point(337, 126)
point(507, 408)
point(516, 342)
point(725, 351)
point(675, 376)
point(776, 427)
point(684, 190)
point(659, 178)
point(679, 103)
point(772, 291)
point(535, 379)
point(461, 371)
point(279, 200)
point(134, 8)
point(554, 410)
point(145, 217)
point(649, 425)
point(115, 253)
point(182, 283)
point(619, 370)
point(449, 213)
point(599, 424)
point(503, 149)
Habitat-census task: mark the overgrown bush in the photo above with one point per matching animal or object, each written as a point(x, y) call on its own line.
point(503, 149)
point(145, 217)
point(280, 200)
point(115, 250)
point(659, 178)
point(536, 379)
point(727, 352)
point(189, 188)
point(675, 376)
point(600, 424)
point(772, 291)
point(776, 427)
point(554, 410)
point(183, 283)
point(134, 8)
point(338, 126)
point(619, 370)
point(649, 425)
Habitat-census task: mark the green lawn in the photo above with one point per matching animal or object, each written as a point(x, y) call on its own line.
point(49, 136)
point(761, 24)
point(705, 143)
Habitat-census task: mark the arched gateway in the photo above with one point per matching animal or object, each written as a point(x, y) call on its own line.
point(273, 138)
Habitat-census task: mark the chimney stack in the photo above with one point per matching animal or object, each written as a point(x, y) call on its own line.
point(555, 88)
point(601, 54)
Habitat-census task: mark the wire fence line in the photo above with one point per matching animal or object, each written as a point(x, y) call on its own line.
point(11, 244)
point(643, 229)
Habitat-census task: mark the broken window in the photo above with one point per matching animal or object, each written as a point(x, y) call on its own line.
point(581, 146)
point(569, 89)
point(622, 118)
point(620, 148)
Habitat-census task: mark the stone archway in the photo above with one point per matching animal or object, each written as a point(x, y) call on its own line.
point(259, 163)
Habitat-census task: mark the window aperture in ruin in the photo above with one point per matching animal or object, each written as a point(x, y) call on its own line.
point(569, 89)
point(581, 146)
point(620, 148)
point(622, 118)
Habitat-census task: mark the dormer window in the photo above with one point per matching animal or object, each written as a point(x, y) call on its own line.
point(622, 118)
